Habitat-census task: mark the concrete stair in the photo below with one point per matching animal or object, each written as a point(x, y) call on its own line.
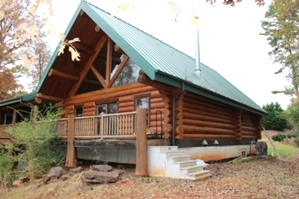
point(174, 163)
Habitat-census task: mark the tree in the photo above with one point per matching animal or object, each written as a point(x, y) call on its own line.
point(22, 32)
point(281, 28)
point(274, 120)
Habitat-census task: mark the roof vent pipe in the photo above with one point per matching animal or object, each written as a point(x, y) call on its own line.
point(197, 55)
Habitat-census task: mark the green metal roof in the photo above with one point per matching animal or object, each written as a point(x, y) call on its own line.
point(160, 61)
point(166, 64)
point(24, 98)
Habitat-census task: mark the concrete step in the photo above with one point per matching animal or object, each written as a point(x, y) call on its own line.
point(200, 175)
point(170, 154)
point(186, 163)
point(193, 168)
point(179, 158)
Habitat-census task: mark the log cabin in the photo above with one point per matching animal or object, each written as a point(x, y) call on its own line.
point(121, 69)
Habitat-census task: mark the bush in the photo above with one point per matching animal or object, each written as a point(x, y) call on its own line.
point(296, 140)
point(38, 137)
point(278, 137)
point(289, 135)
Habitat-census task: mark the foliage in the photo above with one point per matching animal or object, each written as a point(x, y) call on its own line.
point(38, 136)
point(281, 29)
point(22, 33)
point(292, 115)
point(275, 120)
point(75, 55)
point(278, 137)
point(6, 163)
point(296, 140)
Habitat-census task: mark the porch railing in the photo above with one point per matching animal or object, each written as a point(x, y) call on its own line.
point(118, 125)
point(105, 126)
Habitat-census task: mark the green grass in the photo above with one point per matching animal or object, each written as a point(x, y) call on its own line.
point(284, 150)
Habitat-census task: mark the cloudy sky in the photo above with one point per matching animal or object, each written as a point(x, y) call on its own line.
point(229, 39)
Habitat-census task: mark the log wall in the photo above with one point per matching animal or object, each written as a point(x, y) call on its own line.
point(125, 97)
point(203, 118)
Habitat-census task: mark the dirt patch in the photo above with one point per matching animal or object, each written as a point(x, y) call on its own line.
point(259, 178)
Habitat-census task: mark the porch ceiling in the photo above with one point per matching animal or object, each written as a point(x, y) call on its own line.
point(65, 73)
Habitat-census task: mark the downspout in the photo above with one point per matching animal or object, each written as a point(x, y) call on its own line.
point(174, 112)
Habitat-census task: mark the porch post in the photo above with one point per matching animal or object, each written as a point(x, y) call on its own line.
point(141, 144)
point(71, 159)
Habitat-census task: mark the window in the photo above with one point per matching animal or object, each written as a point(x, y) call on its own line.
point(108, 107)
point(8, 118)
point(78, 111)
point(143, 102)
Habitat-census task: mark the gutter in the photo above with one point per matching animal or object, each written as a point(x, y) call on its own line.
point(174, 112)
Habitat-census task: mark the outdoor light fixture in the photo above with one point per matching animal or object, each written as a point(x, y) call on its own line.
point(204, 142)
point(215, 142)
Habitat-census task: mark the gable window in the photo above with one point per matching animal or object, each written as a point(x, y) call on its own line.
point(128, 74)
point(143, 102)
point(78, 111)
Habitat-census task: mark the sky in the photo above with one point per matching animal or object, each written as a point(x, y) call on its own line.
point(230, 40)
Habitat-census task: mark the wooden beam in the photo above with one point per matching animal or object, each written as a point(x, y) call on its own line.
point(108, 61)
point(82, 48)
point(99, 76)
point(49, 98)
point(89, 81)
point(64, 75)
point(120, 67)
point(88, 65)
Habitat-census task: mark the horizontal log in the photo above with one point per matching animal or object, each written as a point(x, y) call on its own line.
point(157, 105)
point(158, 99)
point(125, 109)
point(126, 104)
point(209, 105)
point(64, 75)
point(211, 114)
point(155, 94)
point(206, 118)
point(204, 109)
point(246, 128)
point(209, 124)
point(89, 104)
point(115, 92)
point(127, 98)
point(199, 130)
point(207, 136)
point(49, 98)
point(167, 128)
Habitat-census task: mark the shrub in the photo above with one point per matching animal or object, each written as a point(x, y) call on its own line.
point(296, 140)
point(38, 137)
point(278, 137)
point(289, 135)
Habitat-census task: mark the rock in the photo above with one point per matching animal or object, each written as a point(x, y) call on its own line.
point(76, 170)
point(20, 182)
point(98, 177)
point(261, 148)
point(55, 172)
point(104, 168)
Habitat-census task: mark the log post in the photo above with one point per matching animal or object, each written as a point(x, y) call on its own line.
point(71, 160)
point(141, 144)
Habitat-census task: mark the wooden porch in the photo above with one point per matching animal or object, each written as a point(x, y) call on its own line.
point(104, 126)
